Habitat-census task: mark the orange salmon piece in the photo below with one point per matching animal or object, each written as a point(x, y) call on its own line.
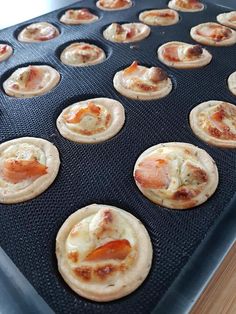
point(132, 68)
point(153, 174)
point(171, 53)
point(16, 171)
point(77, 116)
point(117, 249)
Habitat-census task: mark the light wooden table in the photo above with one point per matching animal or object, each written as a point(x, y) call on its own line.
point(219, 297)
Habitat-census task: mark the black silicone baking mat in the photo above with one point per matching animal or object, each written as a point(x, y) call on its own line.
point(102, 173)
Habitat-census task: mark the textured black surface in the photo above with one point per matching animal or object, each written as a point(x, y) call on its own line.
point(102, 173)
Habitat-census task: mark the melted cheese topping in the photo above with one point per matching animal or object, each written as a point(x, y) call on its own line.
point(171, 173)
point(81, 16)
point(100, 230)
point(159, 17)
point(20, 152)
point(38, 32)
point(219, 121)
point(90, 121)
point(79, 54)
point(125, 33)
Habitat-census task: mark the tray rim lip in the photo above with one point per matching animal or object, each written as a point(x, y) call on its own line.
point(182, 296)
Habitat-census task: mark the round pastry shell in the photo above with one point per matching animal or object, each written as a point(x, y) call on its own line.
point(232, 83)
point(223, 19)
point(8, 53)
point(210, 42)
point(209, 164)
point(23, 38)
point(127, 282)
point(206, 137)
point(144, 33)
point(116, 110)
point(140, 95)
point(174, 6)
point(54, 80)
point(174, 21)
point(114, 9)
point(67, 21)
point(100, 59)
point(40, 184)
point(198, 63)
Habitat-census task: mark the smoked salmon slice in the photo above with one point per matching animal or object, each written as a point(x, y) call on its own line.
point(171, 53)
point(152, 173)
point(77, 116)
point(16, 171)
point(117, 249)
point(132, 68)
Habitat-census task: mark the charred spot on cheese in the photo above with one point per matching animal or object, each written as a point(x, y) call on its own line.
point(73, 256)
point(185, 194)
point(83, 272)
point(105, 271)
point(157, 74)
point(215, 32)
point(194, 51)
point(197, 175)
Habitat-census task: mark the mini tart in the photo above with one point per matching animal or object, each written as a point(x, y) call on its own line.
point(181, 55)
point(79, 16)
point(82, 54)
point(91, 121)
point(213, 34)
point(163, 17)
point(176, 175)
point(139, 82)
point(103, 252)
point(28, 166)
point(186, 5)
point(214, 122)
point(227, 19)
point(30, 81)
point(113, 5)
point(232, 83)
point(5, 52)
point(38, 32)
point(126, 33)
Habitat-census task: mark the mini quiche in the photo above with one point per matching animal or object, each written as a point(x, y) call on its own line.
point(91, 121)
point(232, 83)
point(163, 17)
point(214, 122)
point(79, 16)
point(103, 252)
point(126, 33)
point(28, 166)
point(139, 82)
point(30, 81)
point(38, 32)
point(176, 175)
point(5, 52)
point(213, 34)
point(186, 5)
point(181, 55)
point(82, 54)
point(227, 19)
point(113, 5)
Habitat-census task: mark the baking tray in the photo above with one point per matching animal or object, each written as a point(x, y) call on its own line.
point(102, 173)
